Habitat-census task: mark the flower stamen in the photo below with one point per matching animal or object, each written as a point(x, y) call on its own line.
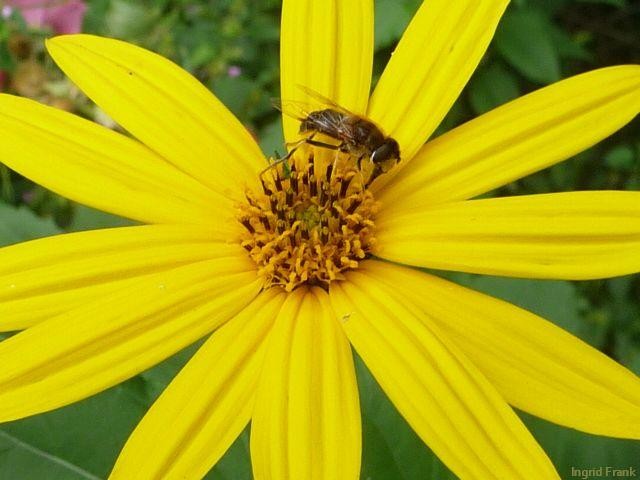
point(311, 221)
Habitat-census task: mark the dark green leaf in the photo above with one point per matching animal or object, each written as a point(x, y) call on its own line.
point(126, 19)
point(390, 25)
point(272, 138)
point(235, 93)
point(6, 60)
point(524, 40)
point(86, 218)
point(550, 6)
point(571, 450)
point(76, 442)
point(554, 300)
point(569, 47)
point(19, 224)
point(492, 86)
point(391, 450)
point(235, 464)
point(615, 3)
point(621, 157)
point(158, 377)
point(20, 460)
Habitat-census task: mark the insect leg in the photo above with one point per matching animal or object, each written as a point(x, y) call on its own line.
point(316, 143)
point(295, 144)
point(300, 142)
point(375, 173)
point(279, 161)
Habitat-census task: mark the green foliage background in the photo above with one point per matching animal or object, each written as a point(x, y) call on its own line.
point(538, 42)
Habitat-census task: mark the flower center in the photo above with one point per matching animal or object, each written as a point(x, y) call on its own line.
point(312, 220)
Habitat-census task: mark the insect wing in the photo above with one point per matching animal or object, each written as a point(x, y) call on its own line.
point(324, 101)
point(330, 122)
point(293, 109)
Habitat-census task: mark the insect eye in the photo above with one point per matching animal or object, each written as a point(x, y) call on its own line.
point(386, 151)
point(379, 154)
point(392, 149)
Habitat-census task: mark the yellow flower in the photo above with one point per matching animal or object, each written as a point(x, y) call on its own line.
point(99, 307)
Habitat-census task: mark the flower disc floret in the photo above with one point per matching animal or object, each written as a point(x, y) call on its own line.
point(313, 219)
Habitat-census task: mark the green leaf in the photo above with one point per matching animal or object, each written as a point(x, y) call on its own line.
point(20, 224)
point(391, 19)
point(7, 191)
point(236, 463)
point(620, 157)
point(627, 345)
point(87, 218)
point(126, 19)
point(524, 40)
point(158, 377)
point(272, 138)
point(6, 59)
point(94, 18)
point(236, 93)
point(554, 300)
point(391, 449)
point(615, 3)
point(393, 452)
point(570, 47)
point(491, 87)
point(80, 441)
point(20, 460)
point(571, 450)
point(550, 6)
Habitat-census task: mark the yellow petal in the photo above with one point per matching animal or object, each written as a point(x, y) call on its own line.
point(206, 406)
point(98, 167)
point(574, 235)
point(536, 366)
point(435, 58)
point(45, 277)
point(306, 423)
point(102, 343)
point(328, 47)
point(519, 138)
point(445, 399)
point(163, 106)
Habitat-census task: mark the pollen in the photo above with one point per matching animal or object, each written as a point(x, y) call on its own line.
point(312, 221)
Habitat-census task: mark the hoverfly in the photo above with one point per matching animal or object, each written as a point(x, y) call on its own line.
point(357, 135)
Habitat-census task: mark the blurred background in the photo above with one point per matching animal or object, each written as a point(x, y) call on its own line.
point(232, 47)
